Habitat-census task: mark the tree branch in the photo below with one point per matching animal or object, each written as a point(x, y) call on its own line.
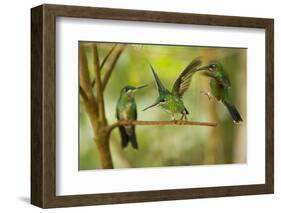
point(99, 90)
point(103, 62)
point(158, 123)
point(107, 56)
point(83, 94)
point(95, 109)
point(85, 88)
point(112, 65)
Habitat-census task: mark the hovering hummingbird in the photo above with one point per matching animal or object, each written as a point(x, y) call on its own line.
point(220, 87)
point(126, 109)
point(172, 102)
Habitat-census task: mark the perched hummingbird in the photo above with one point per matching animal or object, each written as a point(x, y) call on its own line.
point(172, 102)
point(126, 109)
point(220, 87)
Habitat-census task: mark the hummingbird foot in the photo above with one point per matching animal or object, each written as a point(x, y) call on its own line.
point(183, 117)
point(208, 94)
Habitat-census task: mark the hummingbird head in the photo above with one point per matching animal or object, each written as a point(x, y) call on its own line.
point(211, 70)
point(130, 90)
point(160, 101)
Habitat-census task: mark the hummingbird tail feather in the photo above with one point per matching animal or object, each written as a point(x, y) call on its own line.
point(236, 117)
point(124, 137)
point(128, 135)
point(133, 138)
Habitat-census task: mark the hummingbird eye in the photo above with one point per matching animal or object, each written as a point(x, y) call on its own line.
point(162, 101)
point(212, 67)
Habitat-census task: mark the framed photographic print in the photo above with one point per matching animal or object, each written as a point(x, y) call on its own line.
point(136, 106)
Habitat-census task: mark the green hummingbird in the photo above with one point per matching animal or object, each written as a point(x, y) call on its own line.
point(126, 109)
point(220, 88)
point(171, 102)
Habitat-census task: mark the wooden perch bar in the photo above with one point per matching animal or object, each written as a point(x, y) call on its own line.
point(159, 123)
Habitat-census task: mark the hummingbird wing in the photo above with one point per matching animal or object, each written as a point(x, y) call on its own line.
point(183, 82)
point(159, 84)
point(235, 115)
point(128, 133)
point(225, 80)
point(132, 136)
point(124, 136)
point(226, 100)
point(122, 131)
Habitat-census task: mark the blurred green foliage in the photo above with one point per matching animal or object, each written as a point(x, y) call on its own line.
point(170, 145)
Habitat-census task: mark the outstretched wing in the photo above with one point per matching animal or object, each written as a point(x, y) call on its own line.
point(183, 82)
point(225, 80)
point(159, 84)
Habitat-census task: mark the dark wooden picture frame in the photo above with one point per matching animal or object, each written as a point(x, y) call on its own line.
point(43, 105)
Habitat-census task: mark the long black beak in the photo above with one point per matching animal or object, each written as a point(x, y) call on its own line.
point(153, 105)
point(140, 87)
point(205, 68)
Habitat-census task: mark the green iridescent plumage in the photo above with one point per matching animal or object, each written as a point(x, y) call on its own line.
point(172, 102)
point(220, 88)
point(126, 109)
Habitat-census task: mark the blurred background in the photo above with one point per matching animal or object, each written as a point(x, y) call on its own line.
point(171, 145)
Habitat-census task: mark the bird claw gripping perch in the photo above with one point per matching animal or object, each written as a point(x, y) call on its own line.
point(208, 94)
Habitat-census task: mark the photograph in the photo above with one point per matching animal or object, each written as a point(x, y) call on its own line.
point(157, 105)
